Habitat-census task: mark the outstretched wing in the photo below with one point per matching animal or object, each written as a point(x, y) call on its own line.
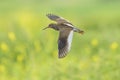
point(64, 42)
point(58, 19)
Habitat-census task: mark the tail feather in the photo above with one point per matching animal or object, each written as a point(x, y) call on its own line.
point(78, 30)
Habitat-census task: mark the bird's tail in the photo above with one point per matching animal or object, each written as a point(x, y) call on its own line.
point(78, 30)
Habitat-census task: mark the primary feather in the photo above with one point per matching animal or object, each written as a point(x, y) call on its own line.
point(58, 19)
point(64, 42)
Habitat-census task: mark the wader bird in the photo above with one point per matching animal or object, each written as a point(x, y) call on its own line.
point(66, 30)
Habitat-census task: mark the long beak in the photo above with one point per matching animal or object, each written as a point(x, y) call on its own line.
point(45, 28)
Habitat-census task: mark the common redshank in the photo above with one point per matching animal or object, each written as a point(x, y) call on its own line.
point(66, 30)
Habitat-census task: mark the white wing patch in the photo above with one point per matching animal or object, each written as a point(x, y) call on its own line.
point(70, 25)
point(70, 40)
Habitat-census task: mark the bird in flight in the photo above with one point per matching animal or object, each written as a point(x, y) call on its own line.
point(66, 30)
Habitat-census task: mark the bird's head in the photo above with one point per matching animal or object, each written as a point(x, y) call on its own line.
point(52, 25)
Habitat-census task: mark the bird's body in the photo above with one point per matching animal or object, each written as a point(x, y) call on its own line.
point(66, 30)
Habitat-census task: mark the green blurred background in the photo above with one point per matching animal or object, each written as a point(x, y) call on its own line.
point(29, 53)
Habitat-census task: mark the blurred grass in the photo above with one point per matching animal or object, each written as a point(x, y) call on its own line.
point(28, 53)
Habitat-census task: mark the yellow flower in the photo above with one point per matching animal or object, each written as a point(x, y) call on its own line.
point(95, 58)
point(20, 58)
point(2, 68)
point(26, 18)
point(11, 36)
point(4, 46)
point(114, 46)
point(94, 42)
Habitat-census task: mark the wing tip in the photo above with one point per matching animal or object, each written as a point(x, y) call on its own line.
point(52, 16)
point(48, 14)
point(60, 56)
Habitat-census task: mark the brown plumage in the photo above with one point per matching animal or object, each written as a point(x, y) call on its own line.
point(66, 30)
